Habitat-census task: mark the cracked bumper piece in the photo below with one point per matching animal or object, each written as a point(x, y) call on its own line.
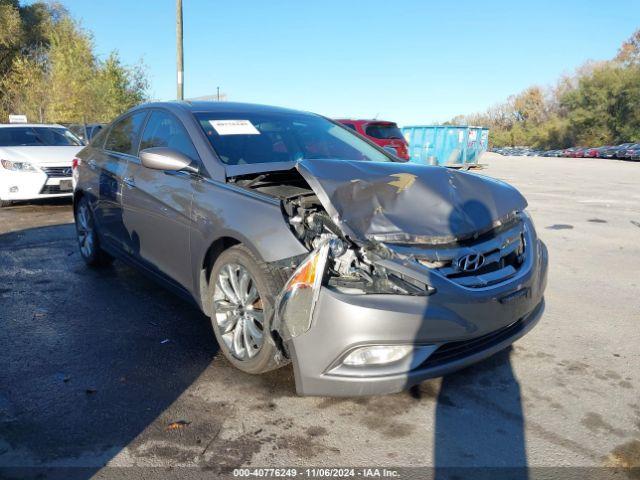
point(445, 332)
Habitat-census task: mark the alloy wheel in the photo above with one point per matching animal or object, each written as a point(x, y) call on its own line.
point(84, 227)
point(239, 311)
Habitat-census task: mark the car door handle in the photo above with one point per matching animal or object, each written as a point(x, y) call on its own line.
point(129, 182)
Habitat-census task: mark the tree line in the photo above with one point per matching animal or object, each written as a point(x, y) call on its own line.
point(598, 105)
point(50, 72)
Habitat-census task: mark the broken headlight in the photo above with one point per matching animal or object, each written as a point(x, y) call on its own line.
point(377, 279)
point(389, 281)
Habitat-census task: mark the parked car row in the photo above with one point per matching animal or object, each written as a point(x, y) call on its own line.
point(517, 151)
point(625, 151)
point(629, 151)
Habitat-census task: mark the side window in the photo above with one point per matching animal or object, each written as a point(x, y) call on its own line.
point(350, 125)
point(164, 130)
point(95, 130)
point(124, 134)
point(98, 138)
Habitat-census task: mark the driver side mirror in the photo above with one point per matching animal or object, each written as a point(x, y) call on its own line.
point(163, 158)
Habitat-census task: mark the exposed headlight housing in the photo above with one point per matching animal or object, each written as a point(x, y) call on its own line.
point(377, 355)
point(394, 282)
point(294, 307)
point(17, 166)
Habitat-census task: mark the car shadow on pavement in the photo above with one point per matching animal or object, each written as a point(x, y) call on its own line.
point(90, 359)
point(479, 423)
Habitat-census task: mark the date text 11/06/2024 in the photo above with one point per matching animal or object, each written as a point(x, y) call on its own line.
point(316, 473)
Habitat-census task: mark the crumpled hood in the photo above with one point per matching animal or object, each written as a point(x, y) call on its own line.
point(409, 203)
point(41, 155)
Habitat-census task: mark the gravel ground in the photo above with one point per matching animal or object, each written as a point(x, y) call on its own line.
point(105, 368)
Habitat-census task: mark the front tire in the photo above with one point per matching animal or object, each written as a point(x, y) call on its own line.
point(243, 291)
point(87, 236)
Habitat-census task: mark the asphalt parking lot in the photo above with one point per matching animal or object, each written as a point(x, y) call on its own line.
point(105, 367)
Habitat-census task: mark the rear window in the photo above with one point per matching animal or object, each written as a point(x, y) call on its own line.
point(384, 131)
point(37, 137)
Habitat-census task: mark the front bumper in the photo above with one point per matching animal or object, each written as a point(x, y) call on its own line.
point(33, 185)
point(451, 329)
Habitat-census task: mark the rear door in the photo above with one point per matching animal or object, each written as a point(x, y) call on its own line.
point(157, 204)
point(110, 163)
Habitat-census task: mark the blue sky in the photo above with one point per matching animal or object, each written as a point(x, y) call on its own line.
point(416, 61)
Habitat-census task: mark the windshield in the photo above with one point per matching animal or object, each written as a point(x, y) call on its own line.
point(37, 137)
point(282, 137)
point(384, 131)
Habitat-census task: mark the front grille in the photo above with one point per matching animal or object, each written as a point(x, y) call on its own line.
point(53, 190)
point(57, 172)
point(455, 350)
point(503, 255)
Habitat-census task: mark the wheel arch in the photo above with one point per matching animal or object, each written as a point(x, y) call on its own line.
point(77, 196)
point(209, 258)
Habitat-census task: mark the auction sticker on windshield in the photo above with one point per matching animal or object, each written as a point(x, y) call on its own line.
point(234, 127)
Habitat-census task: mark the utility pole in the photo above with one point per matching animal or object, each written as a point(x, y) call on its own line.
point(218, 93)
point(180, 56)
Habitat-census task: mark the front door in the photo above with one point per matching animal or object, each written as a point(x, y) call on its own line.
point(110, 164)
point(157, 204)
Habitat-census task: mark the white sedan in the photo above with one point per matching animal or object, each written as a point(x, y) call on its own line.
point(36, 161)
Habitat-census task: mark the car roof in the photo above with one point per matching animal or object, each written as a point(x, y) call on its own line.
point(200, 106)
point(15, 125)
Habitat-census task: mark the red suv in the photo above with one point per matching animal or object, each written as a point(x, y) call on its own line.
point(385, 134)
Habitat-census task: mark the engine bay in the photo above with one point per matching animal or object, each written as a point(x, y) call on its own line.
point(351, 268)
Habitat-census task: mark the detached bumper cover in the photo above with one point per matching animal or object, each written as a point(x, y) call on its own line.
point(451, 329)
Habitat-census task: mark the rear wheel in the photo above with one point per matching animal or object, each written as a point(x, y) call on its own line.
point(243, 290)
point(88, 240)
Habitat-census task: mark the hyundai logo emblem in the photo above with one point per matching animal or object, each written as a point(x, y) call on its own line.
point(471, 262)
point(67, 172)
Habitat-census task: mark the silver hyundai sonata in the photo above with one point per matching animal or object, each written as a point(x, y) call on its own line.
point(306, 243)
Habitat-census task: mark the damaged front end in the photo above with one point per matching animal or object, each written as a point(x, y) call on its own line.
point(343, 268)
point(412, 272)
